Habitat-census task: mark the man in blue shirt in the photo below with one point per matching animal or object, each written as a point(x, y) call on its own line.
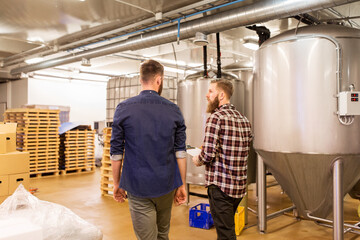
point(151, 130)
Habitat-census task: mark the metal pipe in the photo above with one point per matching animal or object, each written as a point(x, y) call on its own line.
point(329, 221)
point(41, 50)
point(275, 214)
point(261, 187)
point(205, 61)
point(66, 78)
point(218, 74)
point(330, 226)
point(338, 200)
point(336, 13)
point(261, 11)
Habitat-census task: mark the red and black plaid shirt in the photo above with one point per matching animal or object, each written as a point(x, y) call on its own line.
point(225, 150)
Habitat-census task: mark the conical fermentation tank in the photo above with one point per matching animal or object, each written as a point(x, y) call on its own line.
point(298, 132)
point(193, 103)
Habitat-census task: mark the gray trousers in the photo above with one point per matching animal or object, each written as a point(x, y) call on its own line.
point(151, 216)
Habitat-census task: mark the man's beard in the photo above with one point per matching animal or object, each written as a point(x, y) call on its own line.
point(160, 87)
point(212, 105)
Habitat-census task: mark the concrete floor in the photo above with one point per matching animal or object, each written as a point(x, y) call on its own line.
point(81, 194)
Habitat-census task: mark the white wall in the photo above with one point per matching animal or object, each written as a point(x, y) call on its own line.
point(13, 94)
point(3, 100)
point(87, 99)
point(18, 93)
point(3, 92)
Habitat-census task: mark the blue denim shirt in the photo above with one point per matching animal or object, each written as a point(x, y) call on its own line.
point(152, 131)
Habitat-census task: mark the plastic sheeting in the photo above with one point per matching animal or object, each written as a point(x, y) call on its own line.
point(57, 222)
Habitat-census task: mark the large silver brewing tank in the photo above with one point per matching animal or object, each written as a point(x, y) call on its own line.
point(244, 71)
point(296, 127)
point(192, 102)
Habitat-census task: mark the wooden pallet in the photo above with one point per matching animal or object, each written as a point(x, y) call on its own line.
point(44, 165)
point(39, 142)
point(77, 149)
point(37, 133)
point(106, 190)
point(29, 137)
point(28, 128)
point(77, 170)
point(107, 131)
point(36, 175)
point(106, 183)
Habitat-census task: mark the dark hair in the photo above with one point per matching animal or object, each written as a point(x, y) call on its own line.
point(149, 69)
point(225, 85)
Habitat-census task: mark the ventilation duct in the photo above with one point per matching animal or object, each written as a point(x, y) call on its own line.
point(261, 11)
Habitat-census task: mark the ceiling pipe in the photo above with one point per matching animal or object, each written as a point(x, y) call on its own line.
point(262, 11)
point(94, 34)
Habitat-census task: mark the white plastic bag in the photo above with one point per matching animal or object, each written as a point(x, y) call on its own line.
point(57, 222)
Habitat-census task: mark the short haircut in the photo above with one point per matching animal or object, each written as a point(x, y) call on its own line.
point(225, 85)
point(149, 69)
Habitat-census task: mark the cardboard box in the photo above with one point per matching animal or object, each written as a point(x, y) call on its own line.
point(2, 199)
point(16, 179)
point(4, 185)
point(14, 162)
point(7, 138)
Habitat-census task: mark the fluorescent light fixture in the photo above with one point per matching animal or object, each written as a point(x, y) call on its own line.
point(179, 62)
point(34, 60)
point(251, 44)
point(169, 61)
point(175, 70)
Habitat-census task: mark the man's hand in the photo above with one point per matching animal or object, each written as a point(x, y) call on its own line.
point(196, 161)
point(180, 195)
point(119, 194)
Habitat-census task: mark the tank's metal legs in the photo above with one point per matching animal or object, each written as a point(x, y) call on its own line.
point(187, 186)
point(261, 188)
point(338, 200)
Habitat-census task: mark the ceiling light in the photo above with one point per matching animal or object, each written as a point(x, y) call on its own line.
point(200, 39)
point(34, 60)
point(251, 44)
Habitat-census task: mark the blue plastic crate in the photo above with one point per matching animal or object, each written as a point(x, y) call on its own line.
point(200, 216)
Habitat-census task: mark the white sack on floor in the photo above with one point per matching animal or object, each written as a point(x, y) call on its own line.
point(57, 222)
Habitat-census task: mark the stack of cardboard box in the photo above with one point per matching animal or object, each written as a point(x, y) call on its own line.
point(14, 166)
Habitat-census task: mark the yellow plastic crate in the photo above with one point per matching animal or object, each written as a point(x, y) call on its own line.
point(239, 219)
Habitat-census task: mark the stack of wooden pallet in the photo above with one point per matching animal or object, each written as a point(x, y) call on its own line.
point(107, 183)
point(38, 134)
point(77, 150)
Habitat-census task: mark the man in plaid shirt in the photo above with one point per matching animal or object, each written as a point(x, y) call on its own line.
point(224, 154)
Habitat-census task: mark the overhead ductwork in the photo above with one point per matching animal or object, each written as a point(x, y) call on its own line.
point(261, 11)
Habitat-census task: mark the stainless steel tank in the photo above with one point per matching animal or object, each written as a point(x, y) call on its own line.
point(296, 126)
point(192, 102)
